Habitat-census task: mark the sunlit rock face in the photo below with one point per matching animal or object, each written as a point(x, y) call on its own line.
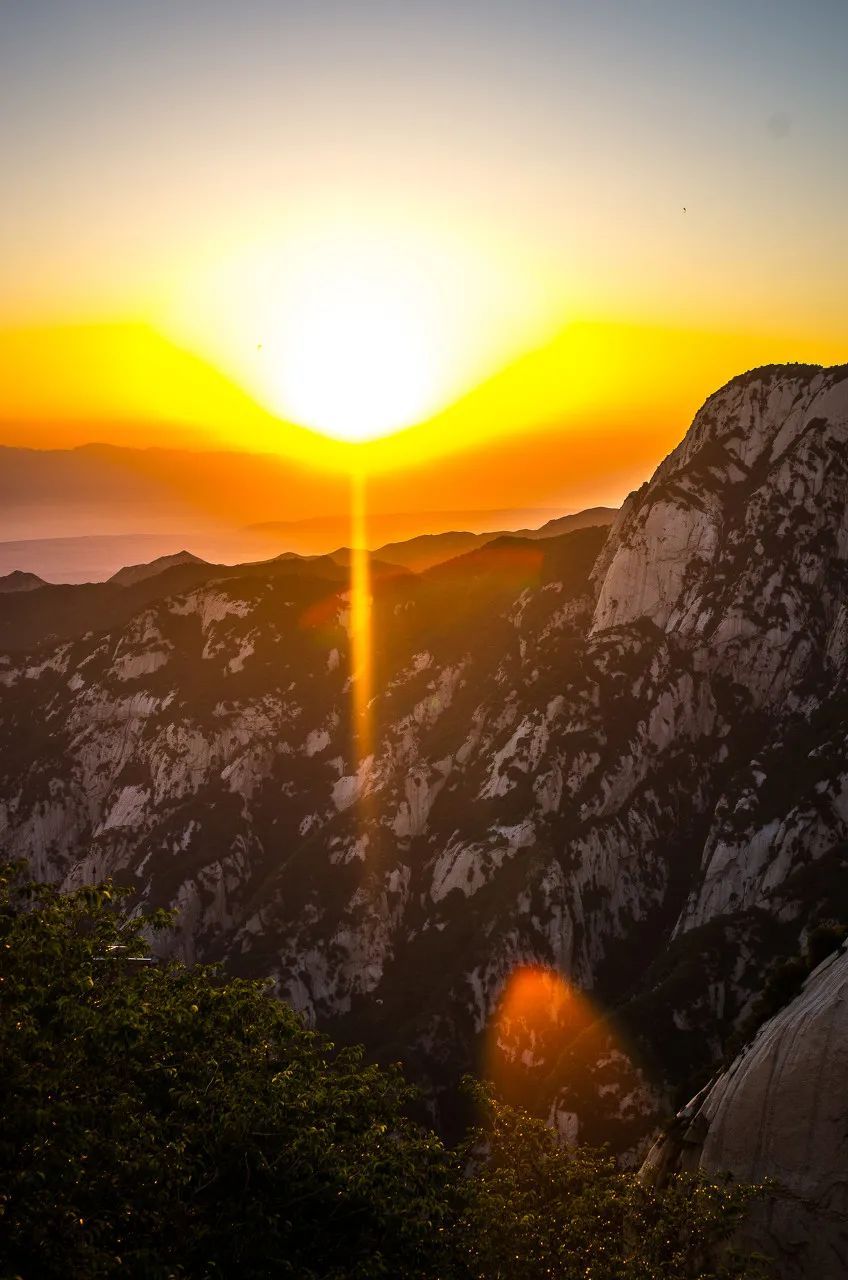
point(622, 757)
point(738, 545)
point(780, 1114)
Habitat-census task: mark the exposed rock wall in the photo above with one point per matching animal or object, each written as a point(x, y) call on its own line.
point(779, 1114)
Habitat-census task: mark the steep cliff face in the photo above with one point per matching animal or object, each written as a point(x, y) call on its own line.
point(779, 1114)
point(623, 759)
point(738, 546)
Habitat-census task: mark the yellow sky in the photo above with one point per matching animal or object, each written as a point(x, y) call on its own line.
point(381, 341)
point(63, 386)
point(266, 226)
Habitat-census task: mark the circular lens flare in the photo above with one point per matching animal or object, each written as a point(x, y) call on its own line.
point(538, 1014)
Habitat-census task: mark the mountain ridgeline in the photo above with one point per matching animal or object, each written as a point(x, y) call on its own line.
point(617, 754)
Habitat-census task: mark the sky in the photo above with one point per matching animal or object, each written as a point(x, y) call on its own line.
point(274, 225)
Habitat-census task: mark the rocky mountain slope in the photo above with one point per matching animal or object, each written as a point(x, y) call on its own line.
point(618, 757)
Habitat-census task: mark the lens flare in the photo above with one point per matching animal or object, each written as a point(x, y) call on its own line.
point(538, 1015)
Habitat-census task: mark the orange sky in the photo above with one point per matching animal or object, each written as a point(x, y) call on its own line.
point(431, 227)
point(608, 400)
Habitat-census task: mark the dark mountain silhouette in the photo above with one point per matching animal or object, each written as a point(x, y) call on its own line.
point(133, 573)
point(432, 549)
point(18, 580)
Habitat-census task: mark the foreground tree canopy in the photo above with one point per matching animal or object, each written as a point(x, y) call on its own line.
point(160, 1121)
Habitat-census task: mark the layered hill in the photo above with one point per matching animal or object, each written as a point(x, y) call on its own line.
point(418, 539)
point(618, 755)
point(130, 574)
point(20, 580)
point(428, 550)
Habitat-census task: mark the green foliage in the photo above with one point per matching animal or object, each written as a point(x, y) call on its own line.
point(160, 1122)
point(541, 1210)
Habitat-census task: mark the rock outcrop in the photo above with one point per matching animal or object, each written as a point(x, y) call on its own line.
point(779, 1115)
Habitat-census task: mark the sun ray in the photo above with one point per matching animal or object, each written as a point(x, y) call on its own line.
point(361, 666)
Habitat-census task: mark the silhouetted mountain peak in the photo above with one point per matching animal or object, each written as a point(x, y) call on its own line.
point(17, 580)
point(133, 573)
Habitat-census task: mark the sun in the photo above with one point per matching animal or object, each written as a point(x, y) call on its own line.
point(361, 362)
point(357, 350)
point(358, 327)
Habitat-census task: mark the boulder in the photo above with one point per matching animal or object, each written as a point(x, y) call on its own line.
point(779, 1115)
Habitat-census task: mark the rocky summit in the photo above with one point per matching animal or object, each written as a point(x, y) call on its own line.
point(615, 755)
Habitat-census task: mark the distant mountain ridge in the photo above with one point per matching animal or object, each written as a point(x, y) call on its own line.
point(428, 550)
point(18, 580)
point(97, 557)
point(133, 573)
point(65, 611)
point(478, 519)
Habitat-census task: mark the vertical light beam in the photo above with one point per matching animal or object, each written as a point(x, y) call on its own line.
point(361, 640)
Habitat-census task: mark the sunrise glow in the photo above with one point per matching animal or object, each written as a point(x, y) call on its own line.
point(385, 272)
point(358, 352)
point(360, 325)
